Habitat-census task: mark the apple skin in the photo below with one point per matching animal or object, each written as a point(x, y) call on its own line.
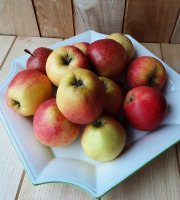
point(114, 96)
point(51, 128)
point(27, 90)
point(146, 71)
point(63, 59)
point(38, 62)
point(125, 42)
point(103, 139)
point(81, 96)
point(145, 107)
point(107, 56)
point(82, 46)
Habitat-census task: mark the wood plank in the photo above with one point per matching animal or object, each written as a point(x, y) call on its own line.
point(157, 180)
point(18, 18)
point(171, 57)
point(151, 21)
point(5, 46)
point(11, 169)
point(101, 16)
point(55, 18)
point(51, 191)
point(176, 32)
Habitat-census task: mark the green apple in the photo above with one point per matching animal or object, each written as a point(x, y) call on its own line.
point(103, 139)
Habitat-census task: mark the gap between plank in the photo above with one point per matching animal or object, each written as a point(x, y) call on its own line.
point(73, 16)
point(5, 57)
point(20, 185)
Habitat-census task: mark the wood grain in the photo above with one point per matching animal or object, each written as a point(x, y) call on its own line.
point(176, 32)
point(101, 16)
point(151, 21)
point(159, 180)
point(51, 191)
point(171, 57)
point(18, 18)
point(55, 18)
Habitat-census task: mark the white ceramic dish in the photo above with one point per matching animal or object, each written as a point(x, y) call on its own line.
point(70, 164)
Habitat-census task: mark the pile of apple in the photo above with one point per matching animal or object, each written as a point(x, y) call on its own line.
point(75, 85)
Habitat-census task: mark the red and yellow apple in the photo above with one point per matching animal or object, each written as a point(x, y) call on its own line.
point(81, 96)
point(145, 107)
point(125, 42)
point(82, 46)
point(146, 71)
point(107, 56)
point(38, 59)
point(51, 128)
point(103, 139)
point(114, 96)
point(27, 90)
point(63, 59)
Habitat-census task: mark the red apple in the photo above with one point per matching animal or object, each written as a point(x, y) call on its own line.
point(63, 59)
point(145, 107)
point(81, 96)
point(38, 59)
point(51, 128)
point(107, 56)
point(114, 96)
point(146, 70)
point(82, 46)
point(27, 90)
point(103, 139)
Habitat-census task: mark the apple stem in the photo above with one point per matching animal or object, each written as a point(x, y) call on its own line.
point(27, 51)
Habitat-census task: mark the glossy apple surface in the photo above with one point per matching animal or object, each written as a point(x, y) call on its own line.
point(82, 46)
point(145, 107)
point(107, 56)
point(51, 128)
point(63, 59)
point(114, 96)
point(38, 59)
point(27, 90)
point(103, 139)
point(125, 42)
point(81, 96)
point(146, 71)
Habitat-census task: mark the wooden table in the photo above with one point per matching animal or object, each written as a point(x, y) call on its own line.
point(158, 180)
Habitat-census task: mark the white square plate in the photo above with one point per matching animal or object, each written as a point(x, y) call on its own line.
point(70, 164)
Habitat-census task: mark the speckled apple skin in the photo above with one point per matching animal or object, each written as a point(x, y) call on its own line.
point(84, 104)
point(55, 68)
point(51, 128)
point(146, 71)
point(30, 88)
point(38, 62)
point(108, 57)
point(106, 142)
point(114, 97)
point(82, 46)
point(145, 107)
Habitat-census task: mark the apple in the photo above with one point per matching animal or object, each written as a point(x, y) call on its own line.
point(38, 59)
point(81, 96)
point(27, 90)
point(107, 56)
point(103, 139)
point(63, 59)
point(125, 42)
point(114, 96)
point(51, 128)
point(146, 71)
point(145, 107)
point(82, 46)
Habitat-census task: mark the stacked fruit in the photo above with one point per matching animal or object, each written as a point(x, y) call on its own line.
point(85, 76)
